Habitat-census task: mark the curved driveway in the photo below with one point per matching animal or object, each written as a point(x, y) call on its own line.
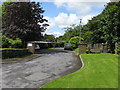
point(52, 64)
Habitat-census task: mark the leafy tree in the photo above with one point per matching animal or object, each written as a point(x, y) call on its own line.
point(23, 20)
point(111, 24)
point(75, 41)
point(0, 18)
point(61, 43)
point(70, 32)
point(49, 38)
point(105, 27)
point(92, 33)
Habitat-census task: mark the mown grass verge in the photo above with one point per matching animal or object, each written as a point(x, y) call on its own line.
point(99, 71)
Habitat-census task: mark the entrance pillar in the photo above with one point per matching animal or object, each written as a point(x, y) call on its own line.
point(82, 48)
point(31, 47)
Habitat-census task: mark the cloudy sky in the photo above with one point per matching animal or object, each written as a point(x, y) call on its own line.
point(63, 13)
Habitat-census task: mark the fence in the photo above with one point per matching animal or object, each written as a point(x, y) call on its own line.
point(103, 47)
point(98, 47)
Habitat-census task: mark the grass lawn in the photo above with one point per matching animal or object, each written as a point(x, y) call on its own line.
point(99, 71)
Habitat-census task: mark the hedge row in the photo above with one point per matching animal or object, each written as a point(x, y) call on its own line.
point(97, 52)
point(14, 52)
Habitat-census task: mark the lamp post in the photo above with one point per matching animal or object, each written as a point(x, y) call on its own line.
point(80, 29)
point(81, 46)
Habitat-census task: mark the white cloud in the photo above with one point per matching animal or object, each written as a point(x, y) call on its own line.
point(57, 34)
point(60, 1)
point(51, 24)
point(86, 18)
point(49, 30)
point(80, 6)
point(65, 1)
point(63, 20)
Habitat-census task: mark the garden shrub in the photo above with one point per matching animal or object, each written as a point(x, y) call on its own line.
point(61, 43)
point(56, 45)
point(15, 43)
point(43, 45)
point(14, 52)
point(97, 52)
point(7, 42)
point(75, 41)
point(90, 51)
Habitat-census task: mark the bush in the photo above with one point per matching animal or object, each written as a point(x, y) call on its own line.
point(76, 50)
point(44, 45)
point(15, 43)
point(61, 43)
point(75, 41)
point(89, 51)
point(13, 52)
point(97, 52)
point(7, 42)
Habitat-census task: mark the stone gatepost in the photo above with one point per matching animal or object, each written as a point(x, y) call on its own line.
point(31, 47)
point(82, 48)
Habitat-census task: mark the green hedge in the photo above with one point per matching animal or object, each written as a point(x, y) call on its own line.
point(14, 52)
point(97, 52)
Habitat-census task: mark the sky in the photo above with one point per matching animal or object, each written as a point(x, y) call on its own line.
point(64, 13)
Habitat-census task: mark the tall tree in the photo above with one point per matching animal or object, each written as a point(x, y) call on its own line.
point(71, 32)
point(23, 20)
point(0, 18)
point(49, 38)
point(105, 27)
point(111, 24)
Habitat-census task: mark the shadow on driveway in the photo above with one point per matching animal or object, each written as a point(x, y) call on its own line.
point(52, 51)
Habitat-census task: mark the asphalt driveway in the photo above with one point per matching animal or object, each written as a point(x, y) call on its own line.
point(52, 64)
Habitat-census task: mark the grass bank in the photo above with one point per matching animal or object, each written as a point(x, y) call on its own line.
point(99, 71)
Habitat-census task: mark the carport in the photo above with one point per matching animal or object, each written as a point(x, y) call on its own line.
point(32, 45)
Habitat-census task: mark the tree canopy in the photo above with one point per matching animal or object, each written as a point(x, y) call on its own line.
point(103, 28)
point(23, 20)
point(49, 38)
point(0, 18)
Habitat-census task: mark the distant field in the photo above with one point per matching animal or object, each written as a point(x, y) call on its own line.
point(100, 71)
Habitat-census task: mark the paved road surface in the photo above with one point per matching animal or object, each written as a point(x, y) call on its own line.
point(52, 64)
